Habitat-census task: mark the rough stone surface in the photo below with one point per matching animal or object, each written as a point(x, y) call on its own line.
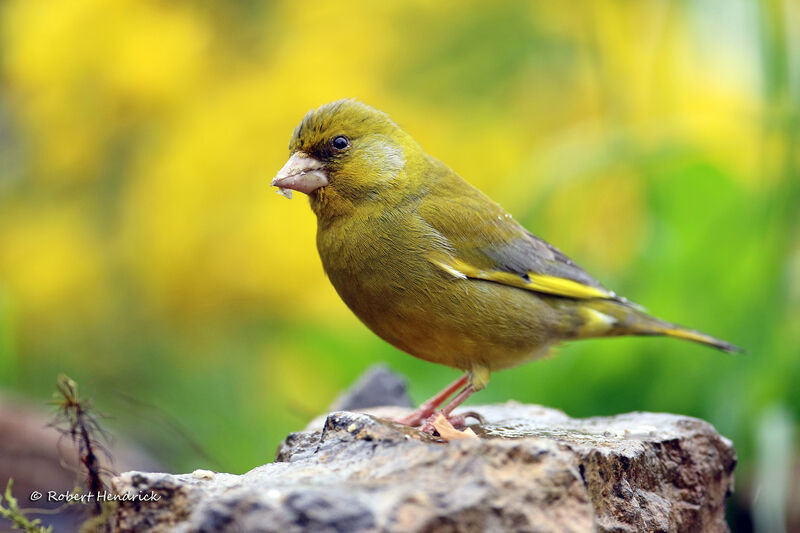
point(532, 469)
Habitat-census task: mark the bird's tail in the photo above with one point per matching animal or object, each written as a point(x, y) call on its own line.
point(609, 318)
point(680, 332)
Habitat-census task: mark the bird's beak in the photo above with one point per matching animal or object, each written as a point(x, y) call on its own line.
point(300, 173)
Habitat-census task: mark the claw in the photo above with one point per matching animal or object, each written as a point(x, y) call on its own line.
point(473, 414)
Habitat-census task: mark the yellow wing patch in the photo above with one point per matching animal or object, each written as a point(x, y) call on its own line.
point(533, 281)
point(595, 323)
point(565, 287)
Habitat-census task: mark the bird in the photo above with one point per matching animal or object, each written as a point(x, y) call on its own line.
point(435, 267)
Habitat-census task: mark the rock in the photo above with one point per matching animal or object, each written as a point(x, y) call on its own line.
point(532, 469)
point(377, 386)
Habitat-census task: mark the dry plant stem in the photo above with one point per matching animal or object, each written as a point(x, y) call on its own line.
point(425, 410)
point(82, 429)
point(90, 459)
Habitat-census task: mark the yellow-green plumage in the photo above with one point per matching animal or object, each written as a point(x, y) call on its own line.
point(435, 267)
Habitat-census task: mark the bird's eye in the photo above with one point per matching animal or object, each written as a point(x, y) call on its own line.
point(340, 143)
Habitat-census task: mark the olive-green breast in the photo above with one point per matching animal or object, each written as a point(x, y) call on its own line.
point(379, 264)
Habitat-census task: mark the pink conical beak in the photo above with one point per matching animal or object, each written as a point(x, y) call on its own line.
point(301, 173)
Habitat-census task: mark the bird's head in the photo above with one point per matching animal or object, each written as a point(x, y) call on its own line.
point(342, 154)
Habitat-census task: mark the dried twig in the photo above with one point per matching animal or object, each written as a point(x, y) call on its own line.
point(76, 420)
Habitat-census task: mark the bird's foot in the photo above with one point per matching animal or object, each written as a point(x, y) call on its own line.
point(424, 417)
point(457, 422)
point(427, 409)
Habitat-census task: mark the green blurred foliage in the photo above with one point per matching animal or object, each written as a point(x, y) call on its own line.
point(143, 253)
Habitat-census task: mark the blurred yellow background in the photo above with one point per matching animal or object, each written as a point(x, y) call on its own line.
point(143, 252)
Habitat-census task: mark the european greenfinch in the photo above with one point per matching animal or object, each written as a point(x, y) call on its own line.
point(435, 267)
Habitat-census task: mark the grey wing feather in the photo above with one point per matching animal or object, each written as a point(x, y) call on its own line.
point(532, 254)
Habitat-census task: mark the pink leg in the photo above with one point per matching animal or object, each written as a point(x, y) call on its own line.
point(426, 409)
point(458, 400)
point(456, 421)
